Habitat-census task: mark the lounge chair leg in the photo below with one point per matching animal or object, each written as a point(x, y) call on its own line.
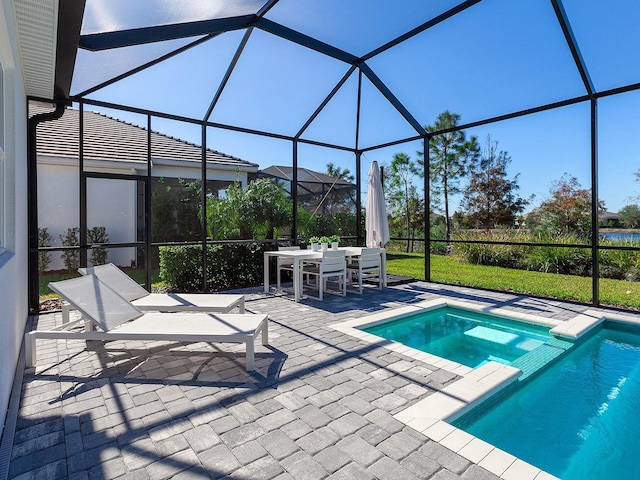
point(265, 332)
point(65, 311)
point(30, 350)
point(250, 356)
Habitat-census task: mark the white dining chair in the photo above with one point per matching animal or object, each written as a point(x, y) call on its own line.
point(332, 264)
point(284, 263)
point(368, 261)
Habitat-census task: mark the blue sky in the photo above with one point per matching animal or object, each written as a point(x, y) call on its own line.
point(498, 57)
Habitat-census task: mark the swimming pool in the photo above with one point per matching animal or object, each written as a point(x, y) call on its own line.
point(467, 337)
point(579, 418)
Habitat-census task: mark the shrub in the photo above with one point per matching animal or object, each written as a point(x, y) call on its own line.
point(71, 258)
point(438, 231)
point(181, 267)
point(228, 266)
point(44, 258)
point(98, 235)
point(633, 274)
point(618, 264)
point(507, 256)
point(559, 259)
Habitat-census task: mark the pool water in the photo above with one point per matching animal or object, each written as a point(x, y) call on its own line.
point(580, 419)
point(463, 336)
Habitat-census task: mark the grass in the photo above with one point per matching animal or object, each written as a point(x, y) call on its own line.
point(617, 293)
point(136, 273)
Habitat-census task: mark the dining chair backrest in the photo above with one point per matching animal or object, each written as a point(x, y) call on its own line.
point(369, 258)
point(286, 262)
point(333, 261)
point(284, 249)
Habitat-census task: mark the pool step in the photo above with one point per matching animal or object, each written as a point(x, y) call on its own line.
point(534, 360)
point(578, 325)
point(461, 395)
point(505, 338)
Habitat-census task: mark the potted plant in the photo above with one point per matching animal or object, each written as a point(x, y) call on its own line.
point(324, 243)
point(314, 241)
point(335, 241)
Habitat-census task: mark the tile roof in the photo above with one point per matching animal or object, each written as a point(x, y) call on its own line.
point(304, 176)
point(108, 138)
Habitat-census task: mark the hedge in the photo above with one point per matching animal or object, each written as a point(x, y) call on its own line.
point(231, 265)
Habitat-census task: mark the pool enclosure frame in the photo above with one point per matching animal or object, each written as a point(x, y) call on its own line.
point(212, 28)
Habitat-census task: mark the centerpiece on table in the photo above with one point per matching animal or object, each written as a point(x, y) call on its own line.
point(324, 243)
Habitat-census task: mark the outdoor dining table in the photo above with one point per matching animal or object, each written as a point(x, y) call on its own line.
point(299, 255)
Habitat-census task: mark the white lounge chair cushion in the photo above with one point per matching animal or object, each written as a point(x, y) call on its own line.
point(96, 301)
point(178, 302)
point(130, 290)
point(117, 280)
point(231, 327)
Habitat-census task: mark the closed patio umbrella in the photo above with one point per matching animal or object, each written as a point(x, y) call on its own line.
point(377, 224)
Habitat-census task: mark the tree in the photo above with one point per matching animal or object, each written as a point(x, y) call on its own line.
point(337, 172)
point(450, 156)
point(95, 236)
point(490, 197)
point(44, 257)
point(187, 210)
point(340, 198)
point(257, 211)
point(163, 228)
point(71, 257)
point(265, 208)
point(567, 211)
point(400, 180)
point(630, 216)
point(415, 207)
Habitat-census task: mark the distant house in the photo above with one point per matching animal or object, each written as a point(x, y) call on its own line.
point(317, 192)
point(114, 153)
point(609, 219)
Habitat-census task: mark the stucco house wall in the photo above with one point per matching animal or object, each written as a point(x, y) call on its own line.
point(110, 203)
point(117, 148)
point(13, 207)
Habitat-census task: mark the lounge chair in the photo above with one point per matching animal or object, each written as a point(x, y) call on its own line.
point(108, 316)
point(130, 290)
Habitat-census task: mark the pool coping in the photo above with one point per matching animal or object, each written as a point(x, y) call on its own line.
point(431, 416)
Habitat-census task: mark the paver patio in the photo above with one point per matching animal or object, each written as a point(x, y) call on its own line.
point(319, 405)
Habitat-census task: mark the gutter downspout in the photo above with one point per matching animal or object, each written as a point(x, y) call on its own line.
point(32, 199)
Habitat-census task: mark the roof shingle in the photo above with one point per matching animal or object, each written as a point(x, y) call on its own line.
point(107, 138)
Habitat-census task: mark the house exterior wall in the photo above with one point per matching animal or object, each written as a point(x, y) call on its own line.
point(13, 206)
point(172, 171)
point(110, 203)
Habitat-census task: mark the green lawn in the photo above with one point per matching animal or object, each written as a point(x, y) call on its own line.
point(447, 270)
point(136, 273)
point(566, 287)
